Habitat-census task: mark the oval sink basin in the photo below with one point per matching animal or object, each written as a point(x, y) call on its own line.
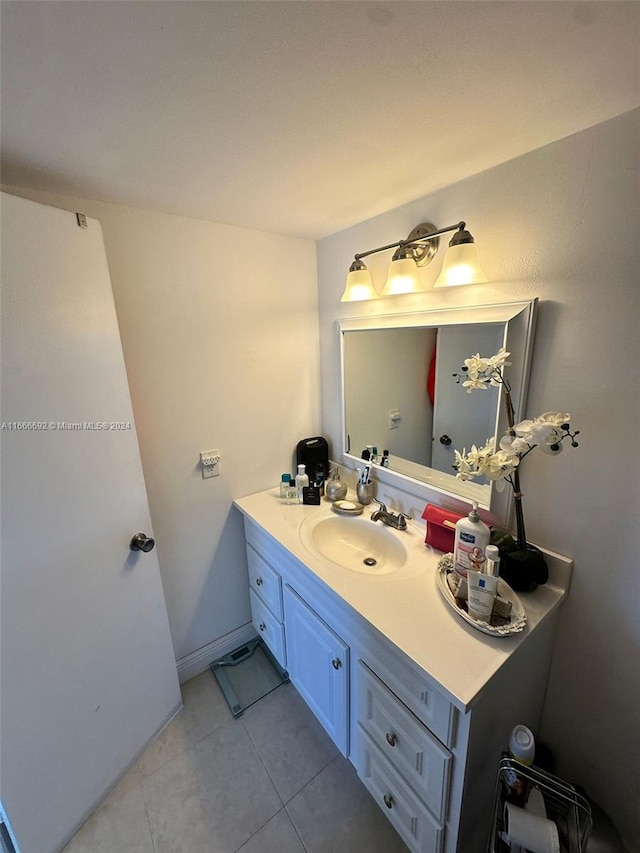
point(358, 544)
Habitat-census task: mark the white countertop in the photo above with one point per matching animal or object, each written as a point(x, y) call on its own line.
point(406, 606)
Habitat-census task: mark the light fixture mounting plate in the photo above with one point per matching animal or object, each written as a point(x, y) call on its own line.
point(423, 253)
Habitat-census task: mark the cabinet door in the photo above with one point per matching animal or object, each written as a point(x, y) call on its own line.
point(318, 663)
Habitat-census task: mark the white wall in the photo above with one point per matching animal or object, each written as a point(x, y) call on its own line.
point(220, 337)
point(560, 224)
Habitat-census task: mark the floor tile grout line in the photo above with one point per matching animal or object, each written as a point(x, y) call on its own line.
point(146, 811)
point(266, 770)
point(317, 773)
point(260, 828)
point(315, 776)
point(144, 775)
point(295, 829)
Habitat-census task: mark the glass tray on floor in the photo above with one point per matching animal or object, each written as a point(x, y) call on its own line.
point(248, 674)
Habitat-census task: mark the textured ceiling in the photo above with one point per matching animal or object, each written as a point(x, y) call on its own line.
point(298, 117)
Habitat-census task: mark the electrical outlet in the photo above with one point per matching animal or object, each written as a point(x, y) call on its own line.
point(210, 462)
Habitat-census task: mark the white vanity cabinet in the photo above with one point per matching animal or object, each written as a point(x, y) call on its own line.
point(421, 704)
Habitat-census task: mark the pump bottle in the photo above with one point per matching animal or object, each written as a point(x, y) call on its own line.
point(471, 532)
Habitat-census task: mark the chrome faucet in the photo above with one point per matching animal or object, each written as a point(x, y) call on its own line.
point(389, 518)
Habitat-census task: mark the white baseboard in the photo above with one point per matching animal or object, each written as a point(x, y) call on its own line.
point(196, 662)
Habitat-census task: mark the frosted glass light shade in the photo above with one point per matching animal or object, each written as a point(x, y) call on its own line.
point(402, 278)
point(359, 286)
point(461, 266)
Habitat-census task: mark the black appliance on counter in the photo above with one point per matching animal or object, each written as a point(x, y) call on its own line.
point(312, 452)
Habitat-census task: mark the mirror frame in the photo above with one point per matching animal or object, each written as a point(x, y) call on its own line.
point(444, 489)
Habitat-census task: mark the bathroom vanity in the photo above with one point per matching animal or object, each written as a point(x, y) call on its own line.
point(420, 702)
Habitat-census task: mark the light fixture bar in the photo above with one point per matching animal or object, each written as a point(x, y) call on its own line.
point(461, 263)
point(403, 243)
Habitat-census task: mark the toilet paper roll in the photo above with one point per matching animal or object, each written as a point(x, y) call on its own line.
point(531, 831)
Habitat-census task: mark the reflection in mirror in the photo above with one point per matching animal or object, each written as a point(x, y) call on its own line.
point(409, 403)
point(400, 394)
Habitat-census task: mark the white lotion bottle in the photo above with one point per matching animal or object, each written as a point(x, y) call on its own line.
point(471, 532)
point(302, 480)
point(481, 593)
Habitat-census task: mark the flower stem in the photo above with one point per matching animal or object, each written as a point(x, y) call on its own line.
point(521, 536)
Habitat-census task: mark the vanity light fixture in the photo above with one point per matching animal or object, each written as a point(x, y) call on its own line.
point(461, 264)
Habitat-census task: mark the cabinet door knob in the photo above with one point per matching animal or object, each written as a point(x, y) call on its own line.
point(258, 581)
point(262, 626)
point(391, 739)
point(444, 439)
point(388, 801)
point(336, 663)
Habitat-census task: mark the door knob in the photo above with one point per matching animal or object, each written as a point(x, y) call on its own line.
point(142, 542)
point(336, 663)
point(444, 439)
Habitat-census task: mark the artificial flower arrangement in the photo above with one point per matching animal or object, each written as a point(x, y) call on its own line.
point(522, 565)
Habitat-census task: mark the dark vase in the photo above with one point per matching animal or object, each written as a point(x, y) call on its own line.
point(523, 568)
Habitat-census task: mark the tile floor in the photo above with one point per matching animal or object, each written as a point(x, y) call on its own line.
point(269, 782)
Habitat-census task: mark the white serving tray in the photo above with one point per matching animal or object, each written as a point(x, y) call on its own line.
point(517, 621)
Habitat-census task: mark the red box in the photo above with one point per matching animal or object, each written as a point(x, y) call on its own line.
point(441, 525)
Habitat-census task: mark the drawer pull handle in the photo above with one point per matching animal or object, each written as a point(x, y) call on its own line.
point(336, 663)
point(262, 626)
point(388, 801)
point(391, 739)
point(258, 581)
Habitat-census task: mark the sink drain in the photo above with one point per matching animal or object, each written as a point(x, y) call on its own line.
point(370, 561)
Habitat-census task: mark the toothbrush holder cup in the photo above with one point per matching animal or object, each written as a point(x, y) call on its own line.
point(364, 491)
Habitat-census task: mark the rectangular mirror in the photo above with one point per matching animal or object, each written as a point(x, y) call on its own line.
point(399, 394)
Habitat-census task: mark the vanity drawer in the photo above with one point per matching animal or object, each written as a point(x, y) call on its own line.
point(270, 628)
point(414, 752)
point(265, 581)
point(412, 819)
point(416, 692)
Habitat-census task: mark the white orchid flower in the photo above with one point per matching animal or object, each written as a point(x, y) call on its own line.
point(463, 465)
point(499, 360)
point(476, 365)
point(545, 432)
point(556, 419)
point(474, 384)
point(500, 464)
point(515, 444)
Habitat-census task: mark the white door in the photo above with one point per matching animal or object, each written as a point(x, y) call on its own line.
point(461, 419)
point(88, 670)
